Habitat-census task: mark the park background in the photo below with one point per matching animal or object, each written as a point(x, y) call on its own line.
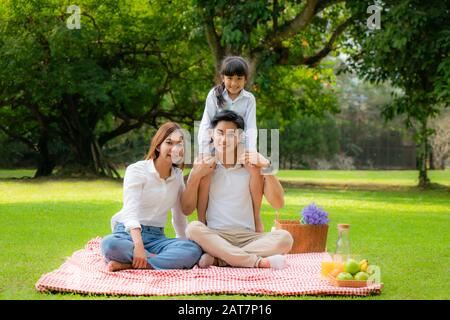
point(360, 96)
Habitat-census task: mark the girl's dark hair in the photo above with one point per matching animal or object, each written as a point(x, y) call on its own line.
point(228, 115)
point(231, 66)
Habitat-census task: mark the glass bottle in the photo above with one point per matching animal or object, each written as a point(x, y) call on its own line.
point(342, 252)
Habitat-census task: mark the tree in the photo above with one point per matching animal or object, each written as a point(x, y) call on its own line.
point(273, 32)
point(286, 43)
point(66, 94)
point(411, 52)
point(440, 141)
point(308, 140)
point(131, 63)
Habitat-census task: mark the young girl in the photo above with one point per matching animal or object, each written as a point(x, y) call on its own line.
point(231, 95)
point(152, 187)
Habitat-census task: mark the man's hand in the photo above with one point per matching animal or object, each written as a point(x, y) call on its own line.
point(203, 166)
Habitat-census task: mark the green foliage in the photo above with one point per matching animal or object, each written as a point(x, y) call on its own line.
point(416, 34)
point(288, 93)
point(67, 94)
point(282, 40)
point(308, 139)
point(411, 51)
point(130, 64)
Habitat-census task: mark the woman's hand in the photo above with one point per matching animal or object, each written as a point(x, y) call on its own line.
point(204, 165)
point(254, 159)
point(139, 253)
point(139, 257)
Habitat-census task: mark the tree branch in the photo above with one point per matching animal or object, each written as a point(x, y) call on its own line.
point(213, 40)
point(95, 26)
point(275, 11)
point(299, 23)
point(17, 137)
point(321, 5)
point(122, 129)
point(314, 59)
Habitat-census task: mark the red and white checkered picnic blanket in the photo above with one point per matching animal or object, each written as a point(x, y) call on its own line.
point(86, 272)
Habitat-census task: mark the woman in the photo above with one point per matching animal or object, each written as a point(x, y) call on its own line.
point(152, 187)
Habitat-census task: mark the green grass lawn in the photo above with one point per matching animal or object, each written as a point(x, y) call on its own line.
point(382, 177)
point(404, 232)
point(350, 177)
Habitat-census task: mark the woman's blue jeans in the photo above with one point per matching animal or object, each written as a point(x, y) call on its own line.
point(162, 252)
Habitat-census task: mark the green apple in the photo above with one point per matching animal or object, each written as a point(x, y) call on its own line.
point(351, 266)
point(361, 276)
point(344, 276)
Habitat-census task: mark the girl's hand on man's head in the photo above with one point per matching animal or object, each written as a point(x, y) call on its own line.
point(254, 159)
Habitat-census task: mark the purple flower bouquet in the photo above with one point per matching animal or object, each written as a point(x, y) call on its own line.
point(311, 214)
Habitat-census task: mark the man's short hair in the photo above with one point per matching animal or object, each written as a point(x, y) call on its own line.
point(228, 115)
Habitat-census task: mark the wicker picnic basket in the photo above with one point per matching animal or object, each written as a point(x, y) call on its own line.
point(307, 237)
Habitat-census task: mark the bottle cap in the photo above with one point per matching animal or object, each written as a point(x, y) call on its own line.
point(342, 226)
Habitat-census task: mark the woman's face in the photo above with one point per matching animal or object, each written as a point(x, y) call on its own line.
point(172, 148)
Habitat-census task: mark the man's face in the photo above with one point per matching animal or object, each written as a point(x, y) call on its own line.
point(226, 136)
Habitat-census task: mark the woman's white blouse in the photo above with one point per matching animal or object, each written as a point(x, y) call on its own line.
point(147, 198)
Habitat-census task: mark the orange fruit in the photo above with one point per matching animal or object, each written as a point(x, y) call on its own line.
point(336, 271)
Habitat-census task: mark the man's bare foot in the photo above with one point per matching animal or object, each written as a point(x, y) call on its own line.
point(206, 261)
point(116, 266)
point(264, 263)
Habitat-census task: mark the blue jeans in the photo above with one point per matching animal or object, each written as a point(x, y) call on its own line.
point(162, 252)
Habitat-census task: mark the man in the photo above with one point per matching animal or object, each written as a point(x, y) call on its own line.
point(229, 237)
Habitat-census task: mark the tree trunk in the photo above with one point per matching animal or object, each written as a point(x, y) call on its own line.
point(46, 164)
point(442, 163)
point(87, 157)
point(91, 160)
point(432, 160)
point(424, 181)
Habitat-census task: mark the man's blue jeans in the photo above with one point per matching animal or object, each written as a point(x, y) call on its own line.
point(162, 252)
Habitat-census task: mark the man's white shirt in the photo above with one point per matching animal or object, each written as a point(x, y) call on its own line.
point(230, 202)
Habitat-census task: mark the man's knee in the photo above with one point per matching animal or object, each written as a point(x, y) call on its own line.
point(285, 240)
point(194, 229)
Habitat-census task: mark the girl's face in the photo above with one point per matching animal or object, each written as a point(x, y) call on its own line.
point(234, 84)
point(172, 148)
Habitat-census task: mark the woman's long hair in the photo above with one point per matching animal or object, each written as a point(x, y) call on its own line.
point(231, 66)
point(163, 132)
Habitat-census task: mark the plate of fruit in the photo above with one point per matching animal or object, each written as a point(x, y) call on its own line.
point(354, 274)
